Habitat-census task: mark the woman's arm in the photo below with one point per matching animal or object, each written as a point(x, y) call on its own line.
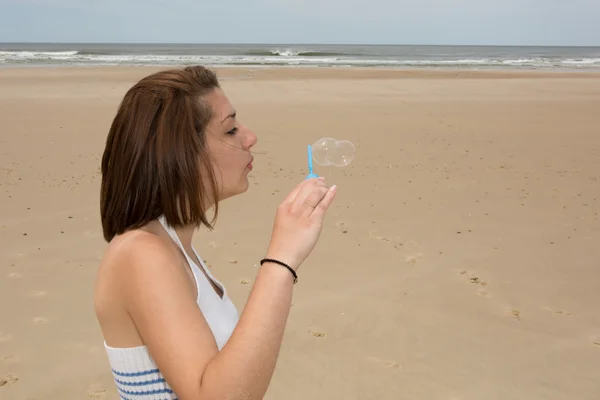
point(244, 368)
point(163, 307)
point(171, 325)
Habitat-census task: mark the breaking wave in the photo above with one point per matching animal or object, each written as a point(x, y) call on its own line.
point(284, 57)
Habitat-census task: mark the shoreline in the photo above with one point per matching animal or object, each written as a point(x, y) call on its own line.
point(282, 55)
point(308, 72)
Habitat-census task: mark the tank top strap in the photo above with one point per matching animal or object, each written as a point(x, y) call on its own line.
point(172, 233)
point(196, 269)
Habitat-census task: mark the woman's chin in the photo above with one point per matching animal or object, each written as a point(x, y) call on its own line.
point(242, 188)
point(245, 186)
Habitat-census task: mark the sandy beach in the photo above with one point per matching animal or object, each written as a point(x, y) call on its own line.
point(458, 262)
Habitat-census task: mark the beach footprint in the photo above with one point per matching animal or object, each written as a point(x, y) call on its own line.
point(36, 294)
point(562, 313)
point(387, 364)
point(316, 333)
point(40, 320)
point(8, 380)
point(475, 280)
point(342, 227)
point(10, 360)
point(414, 259)
point(513, 312)
point(96, 392)
point(373, 235)
point(5, 337)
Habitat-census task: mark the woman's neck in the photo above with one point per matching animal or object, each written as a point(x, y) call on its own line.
point(185, 235)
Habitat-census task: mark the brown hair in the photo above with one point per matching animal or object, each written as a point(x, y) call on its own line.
point(156, 153)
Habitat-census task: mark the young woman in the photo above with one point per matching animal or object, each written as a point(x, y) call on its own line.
point(174, 150)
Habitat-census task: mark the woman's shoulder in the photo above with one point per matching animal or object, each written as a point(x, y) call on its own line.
point(132, 260)
point(131, 248)
point(137, 270)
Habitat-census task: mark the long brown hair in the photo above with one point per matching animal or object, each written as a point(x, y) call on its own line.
point(156, 153)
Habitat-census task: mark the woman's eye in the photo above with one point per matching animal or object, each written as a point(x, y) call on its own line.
point(233, 131)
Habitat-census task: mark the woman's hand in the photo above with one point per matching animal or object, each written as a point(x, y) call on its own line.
point(299, 220)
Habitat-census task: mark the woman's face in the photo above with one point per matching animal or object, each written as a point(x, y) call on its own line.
point(229, 144)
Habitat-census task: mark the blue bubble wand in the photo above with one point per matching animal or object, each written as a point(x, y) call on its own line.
point(311, 174)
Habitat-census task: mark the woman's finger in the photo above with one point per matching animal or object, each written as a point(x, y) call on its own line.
point(292, 195)
point(313, 200)
point(308, 197)
point(323, 206)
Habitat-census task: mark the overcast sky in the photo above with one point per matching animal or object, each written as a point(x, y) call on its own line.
point(510, 22)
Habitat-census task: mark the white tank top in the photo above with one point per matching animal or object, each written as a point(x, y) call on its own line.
point(135, 373)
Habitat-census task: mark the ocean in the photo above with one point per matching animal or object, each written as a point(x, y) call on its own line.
point(309, 55)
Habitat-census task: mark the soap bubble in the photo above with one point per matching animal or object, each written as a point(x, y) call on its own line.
point(328, 151)
point(320, 150)
point(342, 154)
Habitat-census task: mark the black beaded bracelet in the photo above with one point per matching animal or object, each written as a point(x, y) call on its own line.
point(264, 260)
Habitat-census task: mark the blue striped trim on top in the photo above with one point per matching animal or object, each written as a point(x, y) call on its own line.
point(128, 398)
point(141, 373)
point(145, 392)
point(144, 383)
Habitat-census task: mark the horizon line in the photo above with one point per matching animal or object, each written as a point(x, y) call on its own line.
point(292, 44)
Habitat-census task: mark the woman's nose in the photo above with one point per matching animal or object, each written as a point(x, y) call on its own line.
point(250, 139)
